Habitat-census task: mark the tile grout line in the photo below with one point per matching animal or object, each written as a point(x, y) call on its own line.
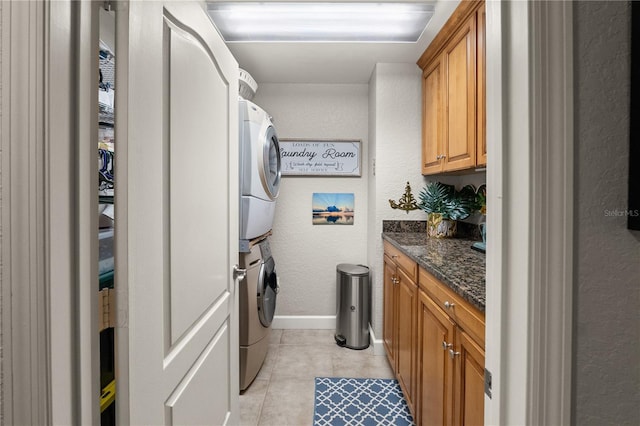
point(275, 360)
point(337, 364)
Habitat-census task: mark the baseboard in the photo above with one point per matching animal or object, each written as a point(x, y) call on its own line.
point(304, 322)
point(319, 322)
point(378, 346)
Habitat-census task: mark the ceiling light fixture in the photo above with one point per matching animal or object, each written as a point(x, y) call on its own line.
point(320, 22)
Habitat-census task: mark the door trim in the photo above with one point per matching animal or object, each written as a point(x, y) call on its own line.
point(529, 261)
point(49, 275)
point(552, 201)
point(23, 202)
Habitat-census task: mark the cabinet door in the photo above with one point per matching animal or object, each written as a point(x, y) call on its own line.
point(469, 375)
point(388, 311)
point(407, 303)
point(460, 98)
point(435, 373)
point(481, 146)
point(432, 117)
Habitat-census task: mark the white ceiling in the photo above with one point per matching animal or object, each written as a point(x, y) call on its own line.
point(332, 62)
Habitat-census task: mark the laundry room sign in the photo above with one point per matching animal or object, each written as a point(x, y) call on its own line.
point(320, 157)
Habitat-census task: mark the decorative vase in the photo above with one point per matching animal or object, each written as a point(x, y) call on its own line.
point(438, 227)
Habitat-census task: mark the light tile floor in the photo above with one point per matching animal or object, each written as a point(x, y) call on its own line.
point(282, 393)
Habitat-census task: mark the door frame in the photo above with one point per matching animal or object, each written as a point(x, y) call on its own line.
point(49, 268)
point(530, 189)
point(531, 178)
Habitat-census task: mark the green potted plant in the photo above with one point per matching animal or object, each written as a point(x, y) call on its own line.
point(481, 200)
point(445, 206)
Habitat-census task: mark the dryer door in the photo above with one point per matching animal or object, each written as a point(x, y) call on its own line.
point(267, 291)
point(270, 171)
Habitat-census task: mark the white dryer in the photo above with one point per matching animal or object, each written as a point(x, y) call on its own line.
point(259, 170)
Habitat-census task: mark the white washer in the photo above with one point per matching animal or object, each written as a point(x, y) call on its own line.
point(259, 170)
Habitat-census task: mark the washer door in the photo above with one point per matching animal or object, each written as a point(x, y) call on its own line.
point(267, 291)
point(270, 170)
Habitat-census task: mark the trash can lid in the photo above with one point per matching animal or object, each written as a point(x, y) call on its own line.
point(351, 269)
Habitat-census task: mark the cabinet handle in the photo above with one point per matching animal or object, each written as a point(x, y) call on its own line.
point(449, 305)
point(395, 256)
point(446, 345)
point(453, 354)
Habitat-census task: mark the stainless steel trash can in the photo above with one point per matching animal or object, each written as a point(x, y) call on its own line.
point(353, 306)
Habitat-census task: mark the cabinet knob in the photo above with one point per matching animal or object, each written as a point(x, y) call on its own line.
point(446, 345)
point(453, 354)
point(443, 156)
point(395, 256)
point(449, 305)
point(438, 157)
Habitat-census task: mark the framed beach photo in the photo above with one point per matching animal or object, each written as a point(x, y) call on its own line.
point(332, 208)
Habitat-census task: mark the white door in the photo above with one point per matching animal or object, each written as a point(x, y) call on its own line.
point(176, 218)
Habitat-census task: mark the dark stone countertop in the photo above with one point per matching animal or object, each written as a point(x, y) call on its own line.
point(451, 260)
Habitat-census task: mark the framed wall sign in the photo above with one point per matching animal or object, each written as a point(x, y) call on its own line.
point(305, 157)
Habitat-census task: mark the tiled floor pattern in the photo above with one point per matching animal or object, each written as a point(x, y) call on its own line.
point(282, 394)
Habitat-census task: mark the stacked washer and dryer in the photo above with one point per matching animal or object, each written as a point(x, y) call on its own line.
point(259, 188)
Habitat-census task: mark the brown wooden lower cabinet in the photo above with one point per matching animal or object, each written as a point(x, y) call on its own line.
point(469, 376)
point(450, 370)
point(388, 311)
point(399, 324)
point(435, 375)
point(451, 363)
point(405, 364)
point(435, 345)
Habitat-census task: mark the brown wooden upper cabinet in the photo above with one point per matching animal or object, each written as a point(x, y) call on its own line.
point(481, 116)
point(453, 93)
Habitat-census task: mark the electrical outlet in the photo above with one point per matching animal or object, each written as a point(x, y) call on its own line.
point(374, 167)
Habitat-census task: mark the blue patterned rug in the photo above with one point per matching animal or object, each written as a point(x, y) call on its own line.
point(355, 402)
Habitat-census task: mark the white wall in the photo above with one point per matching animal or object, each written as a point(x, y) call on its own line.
point(108, 29)
point(386, 116)
point(395, 132)
point(607, 258)
point(306, 255)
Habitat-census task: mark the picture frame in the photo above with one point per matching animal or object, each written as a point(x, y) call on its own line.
point(332, 208)
point(321, 157)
